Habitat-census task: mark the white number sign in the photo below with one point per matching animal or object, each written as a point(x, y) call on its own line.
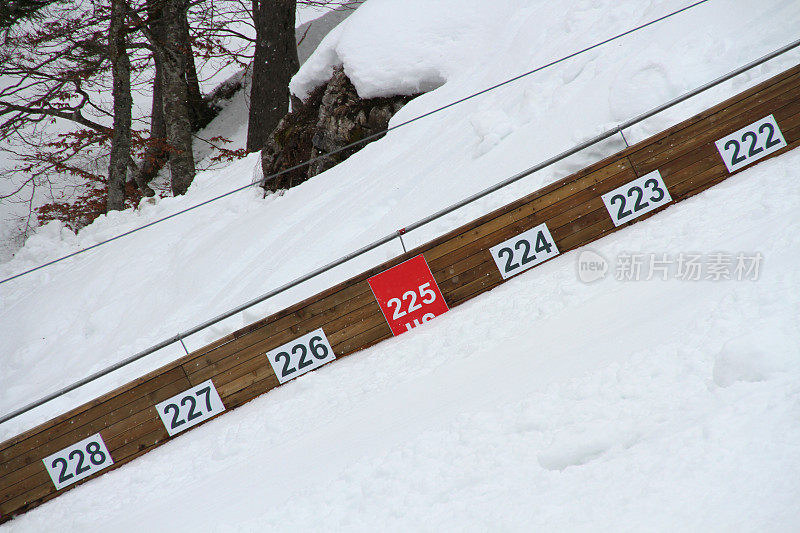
point(524, 251)
point(751, 143)
point(301, 355)
point(636, 198)
point(190, 407)
point(78, 461)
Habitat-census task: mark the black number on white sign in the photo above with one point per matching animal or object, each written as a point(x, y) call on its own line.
point(190, 407)
point(286, 370)
point(751, 143)
point(301, 355)
point(97, 456)
point(636, 198)
point(524, 251)
point(62, 476)
point(78, 461)
point(638, 206)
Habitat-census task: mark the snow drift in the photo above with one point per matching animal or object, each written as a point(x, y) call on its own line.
point(497, 413)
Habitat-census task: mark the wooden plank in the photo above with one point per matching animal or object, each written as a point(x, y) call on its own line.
point(460, 262)
point(615, 167)
point(487, 279)
point(262, 373)
point(673, 146)
point(249, 386)
point(258, 368)
point(365, 339)
point(433, 252)
point(46, 490)
point(559, 223)
point(38, 478)
point(731, 107)
point(788, 119)
point(569, 229)
point(792, 73)
point(684, 155)
point(260, 342)
point(494, 233)
point(357, 322)
point(486, 276)
point(89, 411)
point(253, 360)
point(461, 266)
point(696, 162)
point(34, 455)
point(252, 391)
point(594, 210)
point(127, 430)
point(785, 115)
point(114, 423)
point(25, 501)
point(453, 284)
point(90, 420)
point(202, 367)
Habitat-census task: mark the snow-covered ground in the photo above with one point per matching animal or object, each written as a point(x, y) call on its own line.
point(313, 23)
point(547, 403)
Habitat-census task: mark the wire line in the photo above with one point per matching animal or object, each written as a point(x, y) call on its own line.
point(399, 233)
point(356, 143)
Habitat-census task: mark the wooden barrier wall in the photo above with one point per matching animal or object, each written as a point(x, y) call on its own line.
point(685, 155)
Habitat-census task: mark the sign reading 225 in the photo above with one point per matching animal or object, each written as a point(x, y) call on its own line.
point(408, 294)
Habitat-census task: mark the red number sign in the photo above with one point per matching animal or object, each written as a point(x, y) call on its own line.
point(408, 294)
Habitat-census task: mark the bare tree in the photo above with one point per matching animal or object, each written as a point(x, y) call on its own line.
point(71, 54)
point(170, 50)
point(53, 69)
point(13, 11)
point(123, 101)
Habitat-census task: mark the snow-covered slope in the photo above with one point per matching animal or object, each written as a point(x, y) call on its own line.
point(489, 405)
point(64, 322)
point(545, 404)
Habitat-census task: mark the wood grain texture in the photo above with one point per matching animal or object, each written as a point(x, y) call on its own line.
point(571, 207)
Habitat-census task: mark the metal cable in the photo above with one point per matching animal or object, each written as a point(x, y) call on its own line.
point(353, 144)
point(605, 135)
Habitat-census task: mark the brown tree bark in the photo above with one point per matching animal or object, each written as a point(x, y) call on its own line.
point(274, 64)
point(171, 53)
point(200, 113)
point(155, 155)
point(121, 140)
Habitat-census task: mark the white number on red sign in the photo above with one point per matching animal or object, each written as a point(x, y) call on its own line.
point(751, 143)
point(423, 292)
point(408, 295)
point(190, 407)
point(301, 355)
point(524, 251)
point(78, 461)
point(636, 198)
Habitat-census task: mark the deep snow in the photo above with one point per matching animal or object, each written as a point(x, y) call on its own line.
point(547, 402)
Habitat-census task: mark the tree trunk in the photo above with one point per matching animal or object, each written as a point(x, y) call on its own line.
point(274, 64)
point(155, 154)
point(200, 113)
point(178, 125)
point(121, 141)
